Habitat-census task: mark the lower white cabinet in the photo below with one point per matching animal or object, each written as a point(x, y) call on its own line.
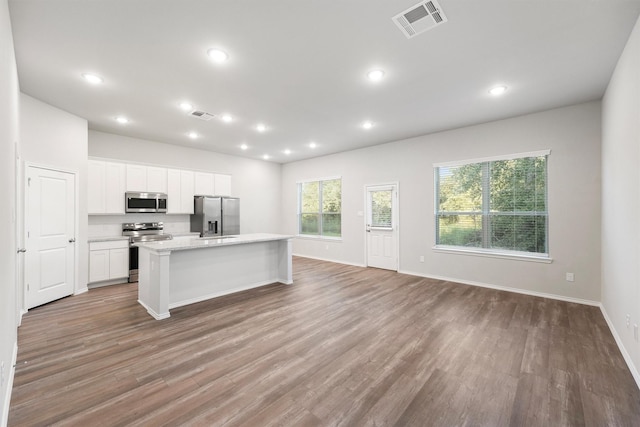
point(108, 260)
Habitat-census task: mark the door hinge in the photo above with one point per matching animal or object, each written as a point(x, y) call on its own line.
point(27, 286)
point(29, 181)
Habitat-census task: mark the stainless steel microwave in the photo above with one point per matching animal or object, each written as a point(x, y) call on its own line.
point(136, 202)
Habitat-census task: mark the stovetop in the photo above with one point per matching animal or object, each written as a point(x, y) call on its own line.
point(145, 231)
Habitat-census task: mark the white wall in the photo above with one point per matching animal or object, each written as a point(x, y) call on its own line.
point(9, 134)
point(256, 182)
point(54, 138)
point(621, 198)
point(572, 134)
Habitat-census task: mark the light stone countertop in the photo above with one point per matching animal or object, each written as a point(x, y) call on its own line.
point(107, 239)
point(210, 242)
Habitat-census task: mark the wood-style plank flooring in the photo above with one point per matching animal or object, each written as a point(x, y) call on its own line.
point(343, 346)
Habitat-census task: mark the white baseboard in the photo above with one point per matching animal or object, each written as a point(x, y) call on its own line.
point(153, 313)
point(506, 288)
point(623, 350)
point(7, 397)
point(330, 260)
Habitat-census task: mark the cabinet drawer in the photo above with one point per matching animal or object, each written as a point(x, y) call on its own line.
point(112, 244)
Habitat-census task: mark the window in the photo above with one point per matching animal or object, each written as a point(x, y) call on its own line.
point(494, 205)
point(320, 207)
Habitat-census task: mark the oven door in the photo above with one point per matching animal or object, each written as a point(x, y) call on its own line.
point(133, 264)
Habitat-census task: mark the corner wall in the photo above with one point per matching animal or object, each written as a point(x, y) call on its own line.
point(621, 200)
point(54, 138)
point(572, 134)
point(9, 144)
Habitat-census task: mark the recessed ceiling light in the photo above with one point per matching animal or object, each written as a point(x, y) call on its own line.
point(226, 118)
point(312, 145)
point(287, 151)
point(498, 90)
point(217, 55)
point(122, 120)
point(367, 125)
point(266, 157)
point(244, 146)
point(92, 78)
point(193, 135)
point(261, 127)
point(186, 106)
point(375, 75)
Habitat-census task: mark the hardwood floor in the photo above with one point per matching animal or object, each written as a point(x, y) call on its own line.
point(343, 346)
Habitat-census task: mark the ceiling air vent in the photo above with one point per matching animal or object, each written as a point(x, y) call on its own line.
point(420, 18)
point(201, 115)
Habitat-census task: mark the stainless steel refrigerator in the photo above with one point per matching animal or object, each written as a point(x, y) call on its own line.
point(216, 216)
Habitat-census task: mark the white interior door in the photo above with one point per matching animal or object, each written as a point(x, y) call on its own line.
point(50, 235)
point(382, 226)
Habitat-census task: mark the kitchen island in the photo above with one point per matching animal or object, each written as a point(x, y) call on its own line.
point(183, 271)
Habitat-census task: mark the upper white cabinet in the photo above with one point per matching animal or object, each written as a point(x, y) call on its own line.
point(204, 183)
point(146, 178)
point(136, 178)
point(156, 179)
point(106, 183)
point(180, 191)
point(223, 185)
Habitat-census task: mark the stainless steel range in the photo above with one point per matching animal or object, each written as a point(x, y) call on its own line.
point(141, 232)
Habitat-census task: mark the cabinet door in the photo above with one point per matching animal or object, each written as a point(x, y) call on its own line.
point(187, 190)
point(96, 175)
point(98, 265)
point(118, 263)
point(174, 191)
point(115, 187)
point(136, 178)
point(204, 184)
point(223, 185)
point(156, 179)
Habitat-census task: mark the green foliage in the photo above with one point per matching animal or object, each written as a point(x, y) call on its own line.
point(326, 222)
point(516, 215)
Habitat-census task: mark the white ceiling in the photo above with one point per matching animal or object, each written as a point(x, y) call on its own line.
point(299, 66)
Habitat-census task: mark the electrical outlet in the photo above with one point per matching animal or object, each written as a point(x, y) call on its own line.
point(570, 277)
point(421, 258)
point(628, 320)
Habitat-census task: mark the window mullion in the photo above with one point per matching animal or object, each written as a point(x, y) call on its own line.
point(486, 200)
point(320, 218)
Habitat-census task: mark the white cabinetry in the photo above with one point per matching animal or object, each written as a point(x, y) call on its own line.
point(136, 178)
point(180, 191)
point(204, 183)
point(108, 260)
point(156, 179)
point(146, 178)
point(106, 185)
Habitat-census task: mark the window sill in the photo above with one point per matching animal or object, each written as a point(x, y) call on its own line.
point(545, 259)
point(310, 237)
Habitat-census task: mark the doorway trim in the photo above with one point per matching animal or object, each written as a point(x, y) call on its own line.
point(396, 219)
point(76, 227)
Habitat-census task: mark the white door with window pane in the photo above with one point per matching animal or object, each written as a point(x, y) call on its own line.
point(382, 226)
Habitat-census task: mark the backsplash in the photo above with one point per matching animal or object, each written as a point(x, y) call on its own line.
point(111, 225)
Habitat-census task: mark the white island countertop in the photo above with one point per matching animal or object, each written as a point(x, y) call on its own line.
point(186, 243)
point(183, 271)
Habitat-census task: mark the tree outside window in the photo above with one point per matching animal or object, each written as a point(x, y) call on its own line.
point(320, 207)
point(498, 205)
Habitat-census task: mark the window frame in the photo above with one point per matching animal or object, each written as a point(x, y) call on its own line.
point(486, 213)
point(320, 213)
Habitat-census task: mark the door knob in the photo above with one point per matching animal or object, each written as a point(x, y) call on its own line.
point(22, 250)
point(72, 240)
